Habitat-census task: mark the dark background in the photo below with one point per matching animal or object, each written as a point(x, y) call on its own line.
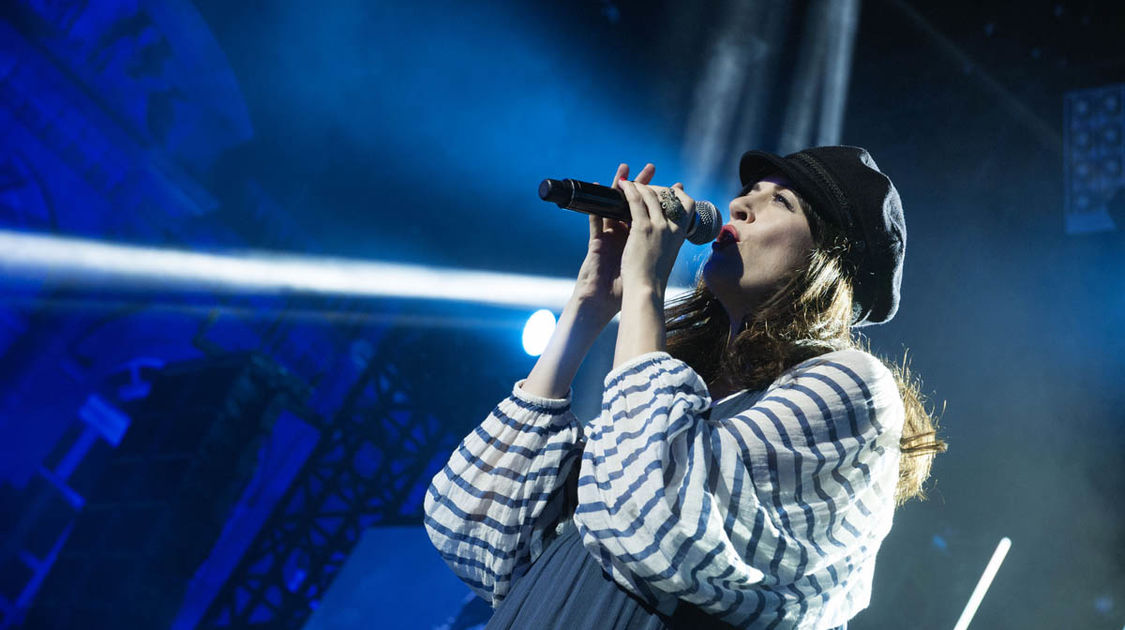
point(417, 133)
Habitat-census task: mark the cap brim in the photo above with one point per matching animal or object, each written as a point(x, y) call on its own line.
point(756, 164)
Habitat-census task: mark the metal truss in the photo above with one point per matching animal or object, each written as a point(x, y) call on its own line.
point(371, 467)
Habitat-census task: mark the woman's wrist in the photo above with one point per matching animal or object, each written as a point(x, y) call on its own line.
point(591, 311)
point(644, 288)
point(577, 329)
point(642, 322)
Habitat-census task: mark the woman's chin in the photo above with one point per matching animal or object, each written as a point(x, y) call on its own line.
point(718, 273)
point(718, 282)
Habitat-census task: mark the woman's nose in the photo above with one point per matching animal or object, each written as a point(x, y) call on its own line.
point(740, 211)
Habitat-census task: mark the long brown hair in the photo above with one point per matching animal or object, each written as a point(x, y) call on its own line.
point(809, 314)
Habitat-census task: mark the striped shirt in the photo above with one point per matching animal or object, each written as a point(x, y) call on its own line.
point(765, 509)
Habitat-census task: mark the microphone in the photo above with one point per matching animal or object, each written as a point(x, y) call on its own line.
point(604, 201)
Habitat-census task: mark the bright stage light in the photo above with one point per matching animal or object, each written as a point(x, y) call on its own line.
point(983, 583)
point(537, 331)
point(105, 265)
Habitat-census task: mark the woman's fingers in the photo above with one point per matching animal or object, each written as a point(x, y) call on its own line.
point(646, 199)
point(645, 176)
point(637, 209)
point(622, 173)
point(650, 198)
point(596, 226)
point(648, 204)
point(652, 204)
point(602, 225)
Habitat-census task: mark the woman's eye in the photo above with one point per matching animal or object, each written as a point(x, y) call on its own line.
point(780, 198)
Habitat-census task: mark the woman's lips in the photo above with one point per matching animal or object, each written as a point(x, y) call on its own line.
point(727, 235)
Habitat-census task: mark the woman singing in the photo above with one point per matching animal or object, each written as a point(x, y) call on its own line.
point(749, 454)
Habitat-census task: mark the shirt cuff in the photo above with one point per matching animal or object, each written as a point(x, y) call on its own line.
point(550, 404)
point(632, 364)
point(642, 361)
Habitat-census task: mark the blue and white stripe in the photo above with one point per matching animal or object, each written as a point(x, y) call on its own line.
point(489, 508)
point(766, 509)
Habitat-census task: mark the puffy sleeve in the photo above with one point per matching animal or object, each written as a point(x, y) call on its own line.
point(765, 513)
point(503, 489)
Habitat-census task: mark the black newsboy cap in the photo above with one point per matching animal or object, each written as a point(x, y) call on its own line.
point(845, 187)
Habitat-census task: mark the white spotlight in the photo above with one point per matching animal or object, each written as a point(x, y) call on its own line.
point(537, 331)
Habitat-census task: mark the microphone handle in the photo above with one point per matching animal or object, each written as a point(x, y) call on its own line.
point(604, 201)
point(580, 196)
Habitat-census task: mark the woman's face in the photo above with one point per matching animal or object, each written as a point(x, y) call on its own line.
point(767, 237)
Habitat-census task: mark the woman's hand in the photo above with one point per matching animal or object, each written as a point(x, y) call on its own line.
point(654, 239)
point(646, 262)
point(598, 288)
point(596, 299)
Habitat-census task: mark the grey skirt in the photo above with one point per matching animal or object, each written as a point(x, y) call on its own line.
point(565, 589)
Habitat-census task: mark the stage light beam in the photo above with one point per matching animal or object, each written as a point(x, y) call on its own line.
point(98, 265)
point(983, 584)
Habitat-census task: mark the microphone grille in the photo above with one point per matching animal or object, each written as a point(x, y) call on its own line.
point(707, 223)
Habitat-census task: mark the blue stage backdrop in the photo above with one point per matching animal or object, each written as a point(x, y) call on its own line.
point(243, 438)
